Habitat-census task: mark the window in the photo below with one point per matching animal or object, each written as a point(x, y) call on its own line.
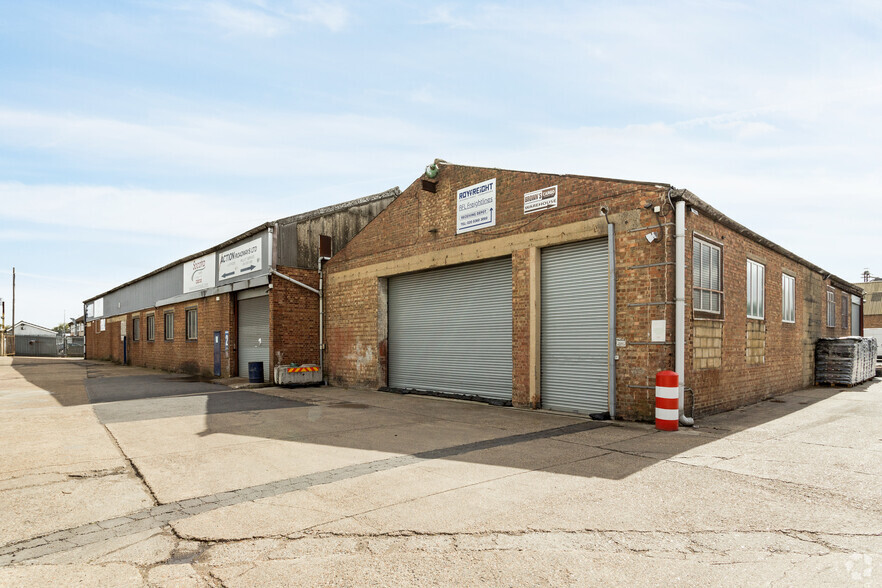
point(151, 330)
point(707, 288)
point(191, 324)
point(788, 304)
point(756, 290)
point(844, 311)
point(169, 331)
point(136, 329)
point(831, 308)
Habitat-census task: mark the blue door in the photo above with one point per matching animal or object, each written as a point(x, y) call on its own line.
point(217, 353)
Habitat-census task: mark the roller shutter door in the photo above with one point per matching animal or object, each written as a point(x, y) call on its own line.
point(254, 334)
point(575, 327)
point(450, 330)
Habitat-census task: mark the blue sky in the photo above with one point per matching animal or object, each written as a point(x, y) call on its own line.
point(135, 133)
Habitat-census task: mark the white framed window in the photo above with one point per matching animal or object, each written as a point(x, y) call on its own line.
point(151, 327)
point(707, 287)
point(831, 308)
point(843, 311)
point(788, 302)
point(136, 329)
point(756, 290)
point(191, 324)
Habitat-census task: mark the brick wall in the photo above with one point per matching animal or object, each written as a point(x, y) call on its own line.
point(179, 354)
point(418, 232)
point(759, 358)
point(294, 318)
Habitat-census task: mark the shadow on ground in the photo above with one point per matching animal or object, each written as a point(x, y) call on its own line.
point(391, 423)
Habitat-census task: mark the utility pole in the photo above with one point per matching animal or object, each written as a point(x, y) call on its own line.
point(13, 311)
point(2, 327)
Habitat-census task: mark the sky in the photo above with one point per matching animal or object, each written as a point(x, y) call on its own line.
point(133, 134)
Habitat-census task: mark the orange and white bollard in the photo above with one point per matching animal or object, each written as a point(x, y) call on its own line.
point(667, 397)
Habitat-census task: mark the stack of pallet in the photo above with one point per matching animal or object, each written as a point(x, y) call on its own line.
point(845, 361)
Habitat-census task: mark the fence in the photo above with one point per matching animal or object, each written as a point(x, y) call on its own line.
point(37, 345)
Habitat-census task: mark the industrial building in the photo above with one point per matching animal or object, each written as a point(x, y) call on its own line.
point(570, 293)
point(253, 298)
point(560, 292)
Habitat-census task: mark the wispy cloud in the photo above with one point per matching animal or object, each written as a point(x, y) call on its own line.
point(268, 19)
point(233, 144)
point(111, 209)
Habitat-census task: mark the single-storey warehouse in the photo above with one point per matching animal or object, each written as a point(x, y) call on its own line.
point(252, 299)
point(570, 293)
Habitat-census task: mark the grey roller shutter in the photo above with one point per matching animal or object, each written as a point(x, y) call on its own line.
point(254, 334)
point(575, 327)
point(450, 330)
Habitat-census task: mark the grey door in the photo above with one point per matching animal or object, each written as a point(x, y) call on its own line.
point(450, 330)
point(855, 316)
point(575, 327)
point(254, 334)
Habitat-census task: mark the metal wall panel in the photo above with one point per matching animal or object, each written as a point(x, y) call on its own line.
point(37, 345)
point(254, 334)
point(450, 330)
point(575, 327)
point(169, 283)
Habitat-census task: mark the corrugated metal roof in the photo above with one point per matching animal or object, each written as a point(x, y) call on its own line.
point(872, 296)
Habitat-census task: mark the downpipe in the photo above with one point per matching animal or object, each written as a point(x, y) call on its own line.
point(680, 305)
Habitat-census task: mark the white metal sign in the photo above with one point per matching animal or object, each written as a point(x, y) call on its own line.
point(199, 273)
point(540, 199)
point(240, 260)
point(476, 207)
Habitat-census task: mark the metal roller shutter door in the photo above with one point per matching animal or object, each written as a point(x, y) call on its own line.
point(575, 327)
point(450, 330)
point(254, 334)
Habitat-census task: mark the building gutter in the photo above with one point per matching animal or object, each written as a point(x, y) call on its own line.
point(611, 250)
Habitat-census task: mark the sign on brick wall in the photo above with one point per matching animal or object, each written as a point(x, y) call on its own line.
point(540, 199)
point(476, 207)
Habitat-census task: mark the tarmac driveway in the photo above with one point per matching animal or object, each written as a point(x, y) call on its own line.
point(123, 476)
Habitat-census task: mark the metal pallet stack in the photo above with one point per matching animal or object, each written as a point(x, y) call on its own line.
point(845, 361)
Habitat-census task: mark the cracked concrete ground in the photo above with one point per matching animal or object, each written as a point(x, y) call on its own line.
point(122, 476)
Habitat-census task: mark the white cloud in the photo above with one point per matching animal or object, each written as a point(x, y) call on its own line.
point(113, 209)
point(235, 144)
point(268, 19)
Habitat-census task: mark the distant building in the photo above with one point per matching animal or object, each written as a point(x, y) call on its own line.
point(26, 329)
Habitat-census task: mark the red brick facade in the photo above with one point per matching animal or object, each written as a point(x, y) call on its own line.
point(873, 321)
point(754, 359)
point(294, 318)
point(194, 356)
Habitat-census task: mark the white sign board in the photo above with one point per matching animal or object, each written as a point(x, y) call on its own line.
point(476, 207)
point(658, 331)
point(99, 308)
point(199, 273)
point(240, 260)
point(540, 199)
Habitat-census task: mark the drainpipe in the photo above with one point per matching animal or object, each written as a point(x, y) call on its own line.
point(680, 306)
point(611, 248)
point(321, 295)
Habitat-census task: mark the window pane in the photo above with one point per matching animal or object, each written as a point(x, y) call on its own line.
point(715, 269)
point(715, 301)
